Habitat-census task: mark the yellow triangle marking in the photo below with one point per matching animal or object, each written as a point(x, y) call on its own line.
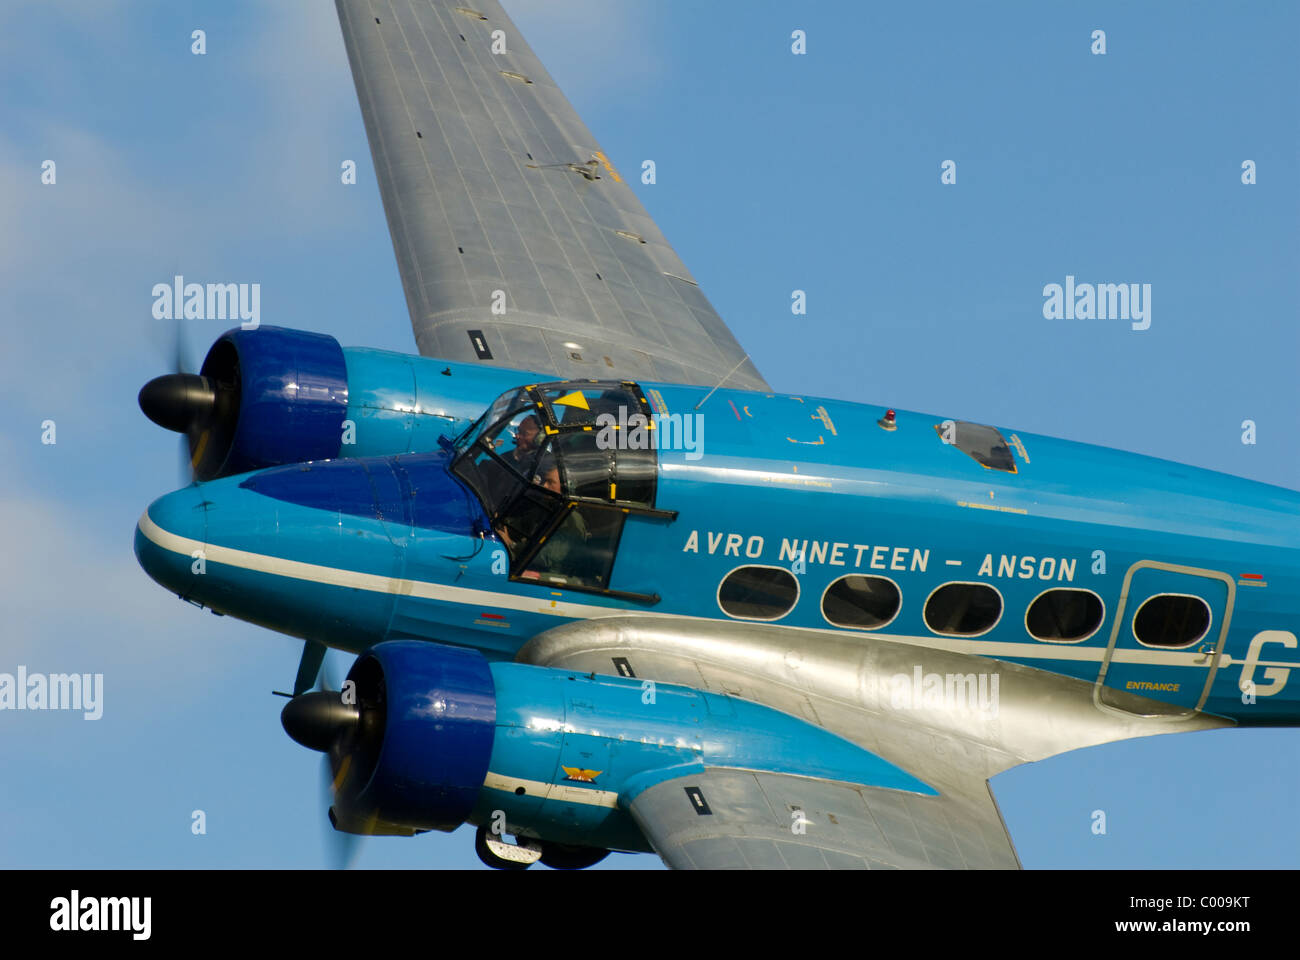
point(576, 399)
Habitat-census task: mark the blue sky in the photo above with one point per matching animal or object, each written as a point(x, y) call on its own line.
point(775, 173)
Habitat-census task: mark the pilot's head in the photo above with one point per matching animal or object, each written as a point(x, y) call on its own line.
point(526, 435)
point(550, 477)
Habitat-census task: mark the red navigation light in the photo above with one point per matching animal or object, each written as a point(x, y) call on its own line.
point(887, 422)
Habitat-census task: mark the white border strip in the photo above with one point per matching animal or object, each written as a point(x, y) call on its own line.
point(552, 791)
point(333, 576)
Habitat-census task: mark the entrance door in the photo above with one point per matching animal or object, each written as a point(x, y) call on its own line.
point(1169, 628)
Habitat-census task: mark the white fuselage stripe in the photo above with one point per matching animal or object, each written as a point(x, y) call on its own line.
point(334, 576)
point(552, 791)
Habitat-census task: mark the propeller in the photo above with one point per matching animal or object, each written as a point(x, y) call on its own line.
point(340, 848)
point(192, 405)
point(320, 720)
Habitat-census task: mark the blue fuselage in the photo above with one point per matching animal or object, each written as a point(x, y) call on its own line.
point(351, 552)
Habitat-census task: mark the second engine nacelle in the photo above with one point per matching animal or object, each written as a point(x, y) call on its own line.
point(417, 754)
point(427, 737)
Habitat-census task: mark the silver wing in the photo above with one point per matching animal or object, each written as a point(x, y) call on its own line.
point(743, 820)
point(848, 685)
point(499, 198)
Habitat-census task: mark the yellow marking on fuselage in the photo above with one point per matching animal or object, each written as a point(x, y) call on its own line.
point(992, 506)
point(825, 418)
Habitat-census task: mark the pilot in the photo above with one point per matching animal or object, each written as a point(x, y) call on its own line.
point(547, 476)
point(525, 450)
point(565, 552)
point(502, 485)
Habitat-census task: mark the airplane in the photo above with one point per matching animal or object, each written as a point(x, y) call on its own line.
point(608, 591)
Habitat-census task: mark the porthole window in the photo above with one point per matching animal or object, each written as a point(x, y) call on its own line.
point(963, 609)
point(861, 602)
point(758, 593)
point(1064, 616)
point(1172, 620)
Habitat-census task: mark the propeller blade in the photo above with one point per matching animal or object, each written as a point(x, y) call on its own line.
point(340, 848)
point(204, 410)
point(320, 720)
point(180, 352)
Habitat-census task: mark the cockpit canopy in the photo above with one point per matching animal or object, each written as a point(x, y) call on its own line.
point(558, 468)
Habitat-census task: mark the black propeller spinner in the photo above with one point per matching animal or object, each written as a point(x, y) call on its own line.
point(179, 402)
point(204, 409)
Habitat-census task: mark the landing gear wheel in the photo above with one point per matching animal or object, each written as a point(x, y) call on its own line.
point(502, 855)
point(562, 856)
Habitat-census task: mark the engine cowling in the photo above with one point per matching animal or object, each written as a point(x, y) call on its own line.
point(273, 396)
point(292, 398)
point(417, 756)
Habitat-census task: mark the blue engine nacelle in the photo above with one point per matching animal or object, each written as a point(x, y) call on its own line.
point(273, 396)
point(290, 398)
point(416, 757)
point(437, 736)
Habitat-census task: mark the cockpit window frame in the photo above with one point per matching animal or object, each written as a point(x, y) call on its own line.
point(468, 447)
point(486, 421)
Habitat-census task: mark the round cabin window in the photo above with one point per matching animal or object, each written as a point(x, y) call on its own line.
point(963, 609)
point(1171, 620)
point(1064, 616)
point(758, 593)
point(861, 603)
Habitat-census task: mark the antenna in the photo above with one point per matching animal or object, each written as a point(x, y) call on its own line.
point(721, 382)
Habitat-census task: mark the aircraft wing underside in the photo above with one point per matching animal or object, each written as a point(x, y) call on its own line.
point(731, 818)
point(774, 821)
point(517, 241)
